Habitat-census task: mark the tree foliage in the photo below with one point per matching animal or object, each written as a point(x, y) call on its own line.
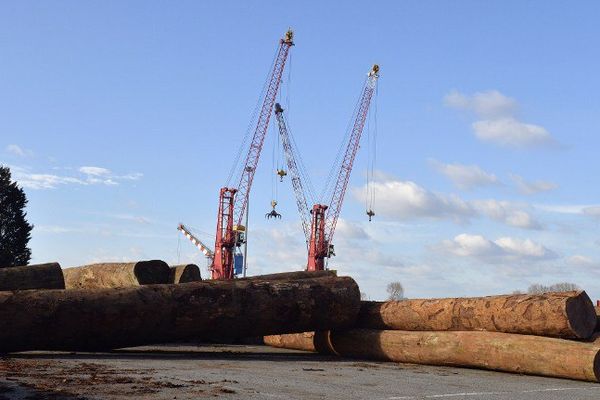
point(395, 291)
point(537, 288)
point(15, 231)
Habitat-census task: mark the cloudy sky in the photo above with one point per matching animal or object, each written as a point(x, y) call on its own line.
point(122, 119)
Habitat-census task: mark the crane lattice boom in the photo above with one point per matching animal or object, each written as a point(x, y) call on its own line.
point(301, 202)
point(233, 201)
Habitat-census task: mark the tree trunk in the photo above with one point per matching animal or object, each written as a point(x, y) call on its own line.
point(185, 273)
point(522, 354)
point(101, 319)
point(566, 315)
point(306, 341)
point(117, 275)
point(292, 275)
point(39, 276)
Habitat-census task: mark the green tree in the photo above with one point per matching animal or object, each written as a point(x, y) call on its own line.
point(15, 231)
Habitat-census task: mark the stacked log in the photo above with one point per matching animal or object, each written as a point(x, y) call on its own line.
point(102, 319)
point(564, 315)
point(36, 276)
point(184, 273)
point(525, 334)
point(117, 275)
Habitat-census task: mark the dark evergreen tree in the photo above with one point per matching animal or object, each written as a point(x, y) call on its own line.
point(15, 231)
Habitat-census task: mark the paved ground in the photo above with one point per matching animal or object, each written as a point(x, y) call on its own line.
point(258, 372)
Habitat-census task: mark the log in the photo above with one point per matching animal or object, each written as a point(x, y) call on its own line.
point(37, 276)
point(306, 341)
point(565, 315)
point(117, 275)
point(522, 354)
point(184, 273)
point(293, 275)
point(597, 318)
point(103, 319)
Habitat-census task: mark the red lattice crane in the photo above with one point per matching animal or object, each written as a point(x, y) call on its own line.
point(319, 222)
point(230, 234)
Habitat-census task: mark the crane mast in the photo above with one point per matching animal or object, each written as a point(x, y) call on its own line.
point(230, 232)
point(301, 202)
point(325, 217)
point(197, 242)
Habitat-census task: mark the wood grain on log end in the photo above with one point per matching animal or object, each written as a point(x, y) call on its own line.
point(152, 272)
point(185, 273)
point(581, 315)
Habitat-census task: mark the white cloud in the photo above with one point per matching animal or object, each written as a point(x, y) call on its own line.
point(580, 261)
point(507, 212)
point(486, 104)
point(91, 176)
point(465, 176)
point(510, 132)
point(348, 230)
point(498, 123)
point(592, 211)
point(19, 151)
point(504, 249)
point(95, 171)
point(534, 187)
point(405, 200)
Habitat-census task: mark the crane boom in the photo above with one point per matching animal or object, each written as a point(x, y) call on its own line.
point(301, 202)
point(335, 205)
point(233, 201)
point(325, 217)
point(197, 242)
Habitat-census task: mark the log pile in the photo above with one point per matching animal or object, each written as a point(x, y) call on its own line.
point(93, 319)
point(551, 334)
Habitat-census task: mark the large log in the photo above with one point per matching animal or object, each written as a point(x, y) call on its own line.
point(117, 275)
point(37, 276)
point(184, 273)
point(566, 315)
point(523, 354)
point(597, 318)
point(508, 352)
point(101, 319)
point(292, 275)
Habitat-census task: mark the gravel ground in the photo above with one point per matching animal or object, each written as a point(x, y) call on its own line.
point(259, 372)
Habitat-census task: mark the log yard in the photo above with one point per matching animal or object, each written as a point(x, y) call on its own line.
point(482, 287)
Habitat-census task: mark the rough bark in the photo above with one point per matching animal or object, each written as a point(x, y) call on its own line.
point(38, 276)
point(523, 354)
point(566, 314)
point(292, 275)
point(184, 273)
point(117, 275)
point(306, 341)
point(101, 319)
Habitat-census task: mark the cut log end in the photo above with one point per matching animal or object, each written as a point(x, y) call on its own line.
point(152, 272)
point(185, 273)
point(581, 315)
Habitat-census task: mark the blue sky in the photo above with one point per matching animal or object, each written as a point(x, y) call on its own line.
point(121, 119)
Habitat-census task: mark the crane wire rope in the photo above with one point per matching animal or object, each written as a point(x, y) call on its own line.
point(372, 131)
point(328, 188)
point(236, 166)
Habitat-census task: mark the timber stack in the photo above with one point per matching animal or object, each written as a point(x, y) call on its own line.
point(549, 334)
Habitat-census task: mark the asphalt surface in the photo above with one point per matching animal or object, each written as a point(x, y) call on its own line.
point(259, 372)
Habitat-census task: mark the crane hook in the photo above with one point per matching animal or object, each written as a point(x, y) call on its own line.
point(273, 213)
point(281, 173)
point(371, 214)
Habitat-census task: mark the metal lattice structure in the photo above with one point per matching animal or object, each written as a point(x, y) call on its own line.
point(234, 201)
